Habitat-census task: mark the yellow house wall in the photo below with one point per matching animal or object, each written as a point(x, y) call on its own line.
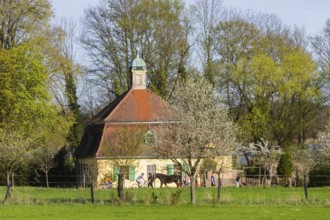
point(105, 167)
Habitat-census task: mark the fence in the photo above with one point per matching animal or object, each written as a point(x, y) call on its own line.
point(227, 179)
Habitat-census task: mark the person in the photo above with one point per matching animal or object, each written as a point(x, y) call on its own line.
point(213, 179)
point(140, 180)
point(107, 182)
point(187, 180)
point(150, 180)
point(238, 181)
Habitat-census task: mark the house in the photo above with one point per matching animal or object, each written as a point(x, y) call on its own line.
point(112, 140)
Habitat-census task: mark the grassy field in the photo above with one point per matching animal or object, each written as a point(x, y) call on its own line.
point(236, 203)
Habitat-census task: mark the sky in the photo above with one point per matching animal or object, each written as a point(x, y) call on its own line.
point(310, 14)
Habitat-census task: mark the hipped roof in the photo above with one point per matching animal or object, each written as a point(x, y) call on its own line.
point(138, 106)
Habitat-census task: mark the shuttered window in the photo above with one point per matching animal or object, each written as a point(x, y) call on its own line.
point(170, 170)
point(116, 172)
point(132, 173)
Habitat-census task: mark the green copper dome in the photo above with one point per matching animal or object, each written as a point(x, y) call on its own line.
point(138, 63)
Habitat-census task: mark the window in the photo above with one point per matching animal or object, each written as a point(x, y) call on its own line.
point(149, 138)
point(151, 169)
point(170, 169)
point(128, 171)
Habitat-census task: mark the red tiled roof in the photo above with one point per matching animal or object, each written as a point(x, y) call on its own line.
point(139, 106)
point(132, 106)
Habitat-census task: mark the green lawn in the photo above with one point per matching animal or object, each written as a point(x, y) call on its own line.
point(237, 203)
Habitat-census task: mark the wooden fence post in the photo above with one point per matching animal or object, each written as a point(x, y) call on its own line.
point(84, 180)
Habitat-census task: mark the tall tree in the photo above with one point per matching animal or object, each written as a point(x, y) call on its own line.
point(21, 20)
point(25, 111)
point(321, 47)
point(113, 28)
point(206, 16)
point(269, 80)
point(204, 129)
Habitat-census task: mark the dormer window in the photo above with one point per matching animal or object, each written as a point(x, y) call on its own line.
point(149, 138)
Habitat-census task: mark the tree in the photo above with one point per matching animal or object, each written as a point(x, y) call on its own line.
point(218, 166)
point(206, 16)
point(304, 160)
point(22, 20)
point(70, 69)
point(264, 154)
point(321, 48)
point(26, 109)
point(24, 94)
point(123, 146)
point(16, 149)
point(269, 80)
point(204, 129)
point(110, 34)
point(52, 140)
point(285, 166)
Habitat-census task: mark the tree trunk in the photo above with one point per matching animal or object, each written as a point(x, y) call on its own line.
point(8, 189)
point(47, 183)
point(92, 192)
point(297, 178)
point(290, 181)
point(219, 188)
point(192, 190)
point(271, 174)
point(305, 188)
point(120, 188)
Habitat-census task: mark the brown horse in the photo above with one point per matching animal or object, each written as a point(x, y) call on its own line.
point(164, 179)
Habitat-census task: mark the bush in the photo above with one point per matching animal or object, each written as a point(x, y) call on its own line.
point(285, 165)
point(320, 175)
point(175, 197)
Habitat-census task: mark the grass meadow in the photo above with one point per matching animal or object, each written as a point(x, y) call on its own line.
point(166, 203)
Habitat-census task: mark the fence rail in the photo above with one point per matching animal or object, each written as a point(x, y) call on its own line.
point(81, 181)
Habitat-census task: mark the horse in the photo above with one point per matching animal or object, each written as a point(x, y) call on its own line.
point(164, 179)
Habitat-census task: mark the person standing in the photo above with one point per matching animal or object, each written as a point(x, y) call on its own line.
point(238, 181)
point(213, 179)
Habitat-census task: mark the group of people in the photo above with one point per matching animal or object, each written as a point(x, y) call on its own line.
point(237, 180)
point(140, 180)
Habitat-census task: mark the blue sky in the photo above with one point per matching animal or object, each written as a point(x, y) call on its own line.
point(310, 14)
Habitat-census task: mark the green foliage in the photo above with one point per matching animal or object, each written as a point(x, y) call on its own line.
point(23, 88)
point(63, 172)
point(269, 83)
point(285, 165)
point(320, 174)
point(76, 130)
point(21, 20)
point(154, 197)
point(175, 197)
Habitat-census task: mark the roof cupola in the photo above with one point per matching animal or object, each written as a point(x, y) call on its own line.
point(139, 72)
